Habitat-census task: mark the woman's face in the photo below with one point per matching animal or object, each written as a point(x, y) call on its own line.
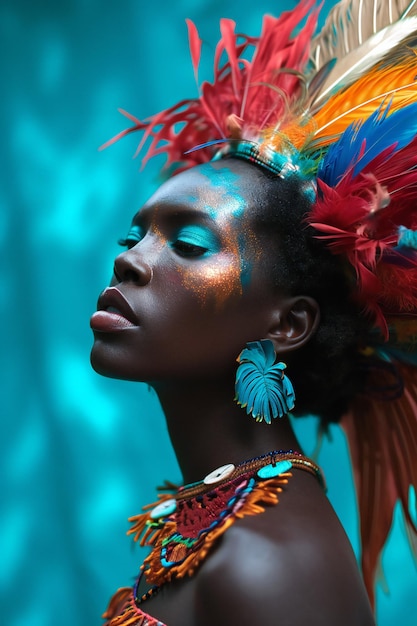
point(192, 287)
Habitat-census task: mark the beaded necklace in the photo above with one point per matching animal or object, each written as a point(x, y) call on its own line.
point(185, 522)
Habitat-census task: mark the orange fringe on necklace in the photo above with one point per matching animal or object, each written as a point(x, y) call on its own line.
point(122, 609)
point(156, 535)
point(183, 532)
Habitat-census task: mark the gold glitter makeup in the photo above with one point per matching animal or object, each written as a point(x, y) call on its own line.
point(222, 276)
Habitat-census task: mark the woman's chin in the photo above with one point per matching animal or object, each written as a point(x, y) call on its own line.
point(105, 362)
point(100, 365)
point(108, 361)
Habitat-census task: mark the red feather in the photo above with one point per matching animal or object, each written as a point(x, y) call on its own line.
point(359, 218)
point(382, 438)
point(245, 96)
point(195, 46)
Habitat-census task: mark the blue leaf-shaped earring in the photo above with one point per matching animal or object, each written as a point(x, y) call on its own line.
point(261, 385)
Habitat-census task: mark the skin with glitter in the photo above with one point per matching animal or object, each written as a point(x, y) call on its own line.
point(221, 199)
point(224, 202)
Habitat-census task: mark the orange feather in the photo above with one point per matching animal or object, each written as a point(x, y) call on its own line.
point(395, 85)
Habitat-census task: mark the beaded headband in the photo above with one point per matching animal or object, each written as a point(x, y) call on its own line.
point(338, 110)
point(267, 158)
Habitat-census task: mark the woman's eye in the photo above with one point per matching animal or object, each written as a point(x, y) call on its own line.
point(195, 241)
point(186, 249)
point(135, 234)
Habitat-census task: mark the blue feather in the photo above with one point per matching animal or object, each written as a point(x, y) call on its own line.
point(377, 133)
point(407, 238)
point(207, 144)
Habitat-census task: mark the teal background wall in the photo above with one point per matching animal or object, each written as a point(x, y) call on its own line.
point(80, 453)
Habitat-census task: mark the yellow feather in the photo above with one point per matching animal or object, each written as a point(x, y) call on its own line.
point(295, 133)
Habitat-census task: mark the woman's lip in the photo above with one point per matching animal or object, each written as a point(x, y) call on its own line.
point(109, 322)
point(113, 309)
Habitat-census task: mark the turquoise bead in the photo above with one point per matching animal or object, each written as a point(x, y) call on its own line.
point(270, 471)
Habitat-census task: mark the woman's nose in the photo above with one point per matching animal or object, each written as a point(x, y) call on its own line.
point(130, 266)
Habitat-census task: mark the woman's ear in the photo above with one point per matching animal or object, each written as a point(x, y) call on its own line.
point(293, 322)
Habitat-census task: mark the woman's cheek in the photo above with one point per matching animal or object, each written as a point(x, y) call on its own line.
point(222, 276)
point(215, 280)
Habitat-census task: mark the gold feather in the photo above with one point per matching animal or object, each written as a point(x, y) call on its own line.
point(352, 22)
point(357, 63)
point(339, 61)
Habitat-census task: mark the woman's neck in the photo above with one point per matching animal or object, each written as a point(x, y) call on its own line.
point(208, 429)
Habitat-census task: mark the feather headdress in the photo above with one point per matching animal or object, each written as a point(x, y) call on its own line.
point(339, 110)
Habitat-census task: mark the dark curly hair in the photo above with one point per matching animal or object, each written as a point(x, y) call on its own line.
point(325, 372)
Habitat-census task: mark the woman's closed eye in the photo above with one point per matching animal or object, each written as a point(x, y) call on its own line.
point(194, 241)
point(188, 241)
point(135, 234)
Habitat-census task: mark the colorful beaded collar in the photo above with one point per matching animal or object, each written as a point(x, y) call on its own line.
point(183, 525)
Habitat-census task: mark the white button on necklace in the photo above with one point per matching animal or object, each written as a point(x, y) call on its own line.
point(219, 474)
point(165, 508)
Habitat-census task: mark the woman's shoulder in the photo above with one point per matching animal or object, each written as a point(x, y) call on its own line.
point(284, 567)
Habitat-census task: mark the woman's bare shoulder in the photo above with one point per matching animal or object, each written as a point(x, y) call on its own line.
point(277, 571)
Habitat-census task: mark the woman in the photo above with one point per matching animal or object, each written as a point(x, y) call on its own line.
point(228, 260)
